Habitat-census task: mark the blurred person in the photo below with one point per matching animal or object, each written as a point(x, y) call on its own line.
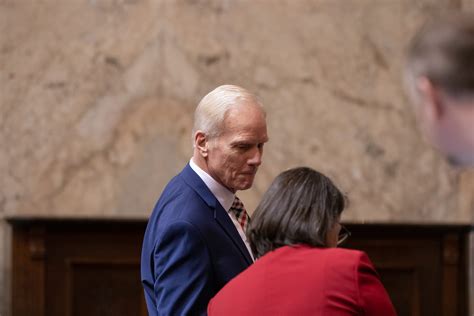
point(299, 271)
point(195, 238)
point(440, 79)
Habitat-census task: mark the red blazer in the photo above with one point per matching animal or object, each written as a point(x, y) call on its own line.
point(305, 281)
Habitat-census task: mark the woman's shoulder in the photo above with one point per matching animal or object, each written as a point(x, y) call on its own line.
point(339, 258)
point(321, 251)
point(344, 252)
point(348, 256)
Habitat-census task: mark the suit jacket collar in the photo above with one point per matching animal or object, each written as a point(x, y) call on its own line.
point(221, 193)
point(220, 215)
point(195, 182)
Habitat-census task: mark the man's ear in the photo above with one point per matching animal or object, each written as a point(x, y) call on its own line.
point(431, 99)
point(201, 143)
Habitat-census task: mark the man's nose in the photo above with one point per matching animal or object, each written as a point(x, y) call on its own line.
point(256, 157)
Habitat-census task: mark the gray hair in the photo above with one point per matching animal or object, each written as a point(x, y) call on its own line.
point(443, 52)
point(210, 112)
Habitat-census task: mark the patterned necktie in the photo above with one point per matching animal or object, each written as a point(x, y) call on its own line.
point(240, 213)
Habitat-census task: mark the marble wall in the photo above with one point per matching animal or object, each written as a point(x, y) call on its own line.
point(97, 99)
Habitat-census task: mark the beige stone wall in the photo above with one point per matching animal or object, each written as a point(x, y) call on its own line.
point(97, 97)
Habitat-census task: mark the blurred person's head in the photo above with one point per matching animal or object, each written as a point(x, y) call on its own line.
point(440, 79)
point(301, 206)
point(228, 134)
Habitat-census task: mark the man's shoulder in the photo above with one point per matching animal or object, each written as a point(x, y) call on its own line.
point(181, 201)
point(179, 187)
point(186, 183)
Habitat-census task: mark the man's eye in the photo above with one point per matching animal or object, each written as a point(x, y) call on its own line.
point(243, 146)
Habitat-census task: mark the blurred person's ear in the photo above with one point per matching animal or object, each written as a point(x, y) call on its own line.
point(429, 108)
point(431, 100)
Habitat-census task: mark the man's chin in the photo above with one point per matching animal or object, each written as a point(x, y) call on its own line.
point(244, 185)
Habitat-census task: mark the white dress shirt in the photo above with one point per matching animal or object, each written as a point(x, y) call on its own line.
point(225, 198)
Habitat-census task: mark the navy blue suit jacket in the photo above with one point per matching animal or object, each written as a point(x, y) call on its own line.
point(191, 249)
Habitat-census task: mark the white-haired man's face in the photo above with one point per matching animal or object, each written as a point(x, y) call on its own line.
point(234, 156)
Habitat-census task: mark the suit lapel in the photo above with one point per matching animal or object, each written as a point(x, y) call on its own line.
point(220, 215)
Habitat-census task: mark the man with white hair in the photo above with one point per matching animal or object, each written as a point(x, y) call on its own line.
point(440, 76)
point(195, 239)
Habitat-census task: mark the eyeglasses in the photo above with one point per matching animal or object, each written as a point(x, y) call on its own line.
point(344, 233)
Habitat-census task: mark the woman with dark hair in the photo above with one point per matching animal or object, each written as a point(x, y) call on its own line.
point(294, 233)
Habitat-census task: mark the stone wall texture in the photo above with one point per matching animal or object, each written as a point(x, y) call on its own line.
point(97, 96)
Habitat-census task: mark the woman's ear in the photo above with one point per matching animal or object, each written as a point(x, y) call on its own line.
point(201, 143)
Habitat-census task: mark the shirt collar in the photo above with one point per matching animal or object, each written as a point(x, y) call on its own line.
point(222, 194)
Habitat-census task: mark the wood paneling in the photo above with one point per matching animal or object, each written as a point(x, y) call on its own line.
point(77, 268)
point(424, 268)
point(118, 279)
point(71, 267)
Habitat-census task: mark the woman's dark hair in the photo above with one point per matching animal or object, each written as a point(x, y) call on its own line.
point(300, 207)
